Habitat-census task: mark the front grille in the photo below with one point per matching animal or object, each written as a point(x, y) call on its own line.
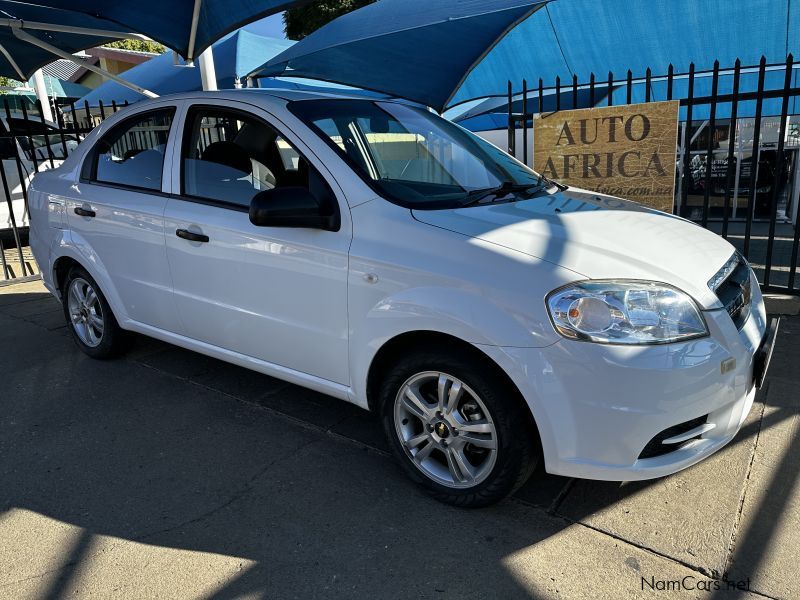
point(732, 285)
point(656, 447)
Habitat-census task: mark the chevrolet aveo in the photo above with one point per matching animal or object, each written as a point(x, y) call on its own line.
point(378, 253)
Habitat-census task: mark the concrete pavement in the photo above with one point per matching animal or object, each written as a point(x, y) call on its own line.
point(166, 474)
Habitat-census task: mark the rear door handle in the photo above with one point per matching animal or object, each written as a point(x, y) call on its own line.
point(191, 236)
point(84, 212)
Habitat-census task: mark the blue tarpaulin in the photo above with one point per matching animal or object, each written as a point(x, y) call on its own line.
point(373, 46)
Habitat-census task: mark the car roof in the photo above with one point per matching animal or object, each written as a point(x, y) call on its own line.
point(258, 95)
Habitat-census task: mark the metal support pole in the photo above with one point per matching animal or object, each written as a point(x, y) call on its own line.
point(41, 94)
point(27, 37)
point(107, 33)
point(208, 74)
point(193, 30)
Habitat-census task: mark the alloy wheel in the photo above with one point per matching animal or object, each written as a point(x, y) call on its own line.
point(445, 429)
point(85, 312)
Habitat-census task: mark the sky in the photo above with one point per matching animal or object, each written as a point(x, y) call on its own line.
point(270, 27)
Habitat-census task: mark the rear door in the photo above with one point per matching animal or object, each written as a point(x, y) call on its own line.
point(275, 294)
point(116, 213)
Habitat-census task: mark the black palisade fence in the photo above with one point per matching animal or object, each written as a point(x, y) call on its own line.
point(30, 144)
point(732, 177)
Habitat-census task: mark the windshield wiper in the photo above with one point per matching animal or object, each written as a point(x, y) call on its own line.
point(549, 182)
point(507, 187)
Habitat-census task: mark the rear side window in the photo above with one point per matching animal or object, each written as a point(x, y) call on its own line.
point(132, 153)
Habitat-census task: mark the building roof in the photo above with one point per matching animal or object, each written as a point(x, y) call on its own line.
point(61, 69)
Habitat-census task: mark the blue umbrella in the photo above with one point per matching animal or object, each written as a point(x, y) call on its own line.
point(415, 49)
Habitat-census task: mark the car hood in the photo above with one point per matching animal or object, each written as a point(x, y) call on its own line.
point(597, 237)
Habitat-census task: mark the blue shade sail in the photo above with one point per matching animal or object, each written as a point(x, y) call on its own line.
point(410, 49)
point(415, 49)
point(580, 37)
point(166, 21)
point(170, 21)
point(56, 88)
point(28, 57)
point(549, 103)
point(234, 57)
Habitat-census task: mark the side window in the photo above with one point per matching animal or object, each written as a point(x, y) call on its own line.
point(132, 153)
point(230, 157)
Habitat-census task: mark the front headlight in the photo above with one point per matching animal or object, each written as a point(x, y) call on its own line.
point(625, 312)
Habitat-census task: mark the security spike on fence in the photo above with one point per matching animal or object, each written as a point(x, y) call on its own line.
point(629, 96)
point(670, 80)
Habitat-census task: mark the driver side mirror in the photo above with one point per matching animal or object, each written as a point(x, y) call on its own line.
point(291, 207)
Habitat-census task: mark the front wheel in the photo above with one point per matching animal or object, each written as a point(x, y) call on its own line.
point(458, 428)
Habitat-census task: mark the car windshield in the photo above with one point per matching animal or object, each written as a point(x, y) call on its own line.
point(414, 157)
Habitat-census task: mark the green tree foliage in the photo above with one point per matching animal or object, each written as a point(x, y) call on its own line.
point(7, 82)
point(300, 22)
point(137, 45)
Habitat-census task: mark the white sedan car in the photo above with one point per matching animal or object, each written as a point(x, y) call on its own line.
point(375, 252)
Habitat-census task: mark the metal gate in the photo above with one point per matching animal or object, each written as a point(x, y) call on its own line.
point(737, 167)
point(28, 145)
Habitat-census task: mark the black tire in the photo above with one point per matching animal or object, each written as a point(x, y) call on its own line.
point(517, 441)
point(113, 340)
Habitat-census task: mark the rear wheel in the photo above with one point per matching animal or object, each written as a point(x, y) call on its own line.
point(458, 428)
point(93, 326)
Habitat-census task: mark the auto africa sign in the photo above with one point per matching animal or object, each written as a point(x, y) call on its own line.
point(626, 151)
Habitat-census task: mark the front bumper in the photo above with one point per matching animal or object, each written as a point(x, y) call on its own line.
point(599, 406)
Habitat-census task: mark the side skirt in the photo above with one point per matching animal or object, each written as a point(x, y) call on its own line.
point(324, 386)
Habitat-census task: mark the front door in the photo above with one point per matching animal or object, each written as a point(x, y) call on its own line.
point(275, 294)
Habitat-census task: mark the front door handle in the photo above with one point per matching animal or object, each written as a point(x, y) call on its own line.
point(84, 212)
point(191, 236)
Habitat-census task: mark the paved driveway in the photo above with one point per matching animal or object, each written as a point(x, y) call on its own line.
point(166, 474)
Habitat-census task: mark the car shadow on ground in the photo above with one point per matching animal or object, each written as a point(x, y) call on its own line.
point(170, 448)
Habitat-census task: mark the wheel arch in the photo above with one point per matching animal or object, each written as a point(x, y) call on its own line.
point(61, 267)
point(405, 342)
point(68, 258)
